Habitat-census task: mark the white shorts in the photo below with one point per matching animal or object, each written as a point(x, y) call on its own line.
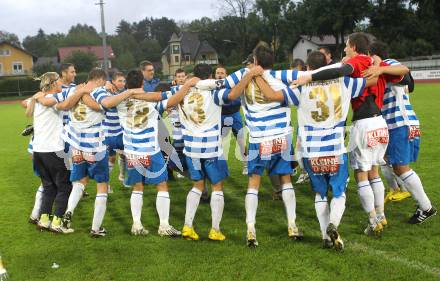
point(368, 143)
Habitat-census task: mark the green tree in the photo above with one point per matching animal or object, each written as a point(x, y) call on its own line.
point(80, 35)
point(125, 61)
point(162, 29)
point(9, 37)
point(83, 61)
point(38, 44)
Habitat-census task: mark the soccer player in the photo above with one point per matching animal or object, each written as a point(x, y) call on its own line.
point(85, 134)
point(369, 132)
point(404, 130)
point(48, 154)
point(270, 139)
point(200, 114)
point(113, 131)
point(322, 110)
point(146, 165)
point(232, 120)
point(173, 116)
point(328, 55)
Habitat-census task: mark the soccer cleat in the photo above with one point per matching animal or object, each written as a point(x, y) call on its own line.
point(332, 231)
point(67, 220)
point(57, 226)
point(168, 230)
point(189, 233)
point(295, 233)
point(252, 239)
point(389, 196)
point(303, 178)
point(400, 195)
point(33, 220)
point(179, 175)
point(375, 229)
point(44, 222)
point(29, 130)
point(138, 230)
point(97, 234)
point(421, 216)
point(382, 220)
point(3, 273)
point(216, 235)
point(327, 244)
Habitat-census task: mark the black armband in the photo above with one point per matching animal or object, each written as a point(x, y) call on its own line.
point(333, 73)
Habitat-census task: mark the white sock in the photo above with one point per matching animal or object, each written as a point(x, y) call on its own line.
point(323, 214)
point(415, 187)
point(217, 205)
point(110, 167)
point(163, 207)
point(100, 207)
point(337, 208)
point(121, 163)
point(37, 205)
point(192, 203)
point(136, 202)
point(251, 205)
point(389, 176)
point(366, 196)
point(75, 196)
point(288, 194)
point(379, 195)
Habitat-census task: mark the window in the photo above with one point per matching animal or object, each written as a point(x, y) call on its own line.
point(203, 57)
point(5, 52)
point(309, 51)
point(176, 59)
point(187, 58)
point(176, 49)
point(17, 67)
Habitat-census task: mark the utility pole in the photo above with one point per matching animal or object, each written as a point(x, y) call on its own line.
point(104, 36)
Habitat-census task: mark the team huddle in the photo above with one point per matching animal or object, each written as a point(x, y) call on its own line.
point(80, 130)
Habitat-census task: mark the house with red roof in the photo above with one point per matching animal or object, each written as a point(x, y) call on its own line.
point(98, 51)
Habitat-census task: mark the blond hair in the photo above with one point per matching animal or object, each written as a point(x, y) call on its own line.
point(47, 80)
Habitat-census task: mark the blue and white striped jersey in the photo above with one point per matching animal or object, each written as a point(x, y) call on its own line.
point(200, 115)
point(288, 76)
point(61, 96)
point(265, 120)
point(84, 130)
point(111, 124)
point(397, 109)
point(322, 110)
point(139, 121)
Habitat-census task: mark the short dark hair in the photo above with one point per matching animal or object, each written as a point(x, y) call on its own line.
point(64, 67)
point(298, 62)
point(263, 53)
point(162, 87)
point(360, 42)
point(117, 74)
point(221, 66)
point(315, 60)
point(202, 71)
point(326, 50)
point(144, 64)
point(180, 70)
point(380, 49)
point(97, 73)
point(135, 79)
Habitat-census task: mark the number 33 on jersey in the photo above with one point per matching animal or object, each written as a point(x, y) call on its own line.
point(322, 110)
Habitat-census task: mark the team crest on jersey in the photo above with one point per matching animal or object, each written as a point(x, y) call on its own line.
point(253, 93)
point(268, 148)
point(325, 165)
point(137, 116)
point(378, 136)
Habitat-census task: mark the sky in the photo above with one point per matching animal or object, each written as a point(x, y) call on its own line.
point(25, 17)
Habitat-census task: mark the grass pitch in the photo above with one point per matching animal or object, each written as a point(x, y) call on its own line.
point(405, 252)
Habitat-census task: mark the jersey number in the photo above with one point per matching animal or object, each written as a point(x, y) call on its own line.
point(198, 115)
point(321, 94)
point(80, 112)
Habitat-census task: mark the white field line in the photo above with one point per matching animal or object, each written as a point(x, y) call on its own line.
point(394, 258)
